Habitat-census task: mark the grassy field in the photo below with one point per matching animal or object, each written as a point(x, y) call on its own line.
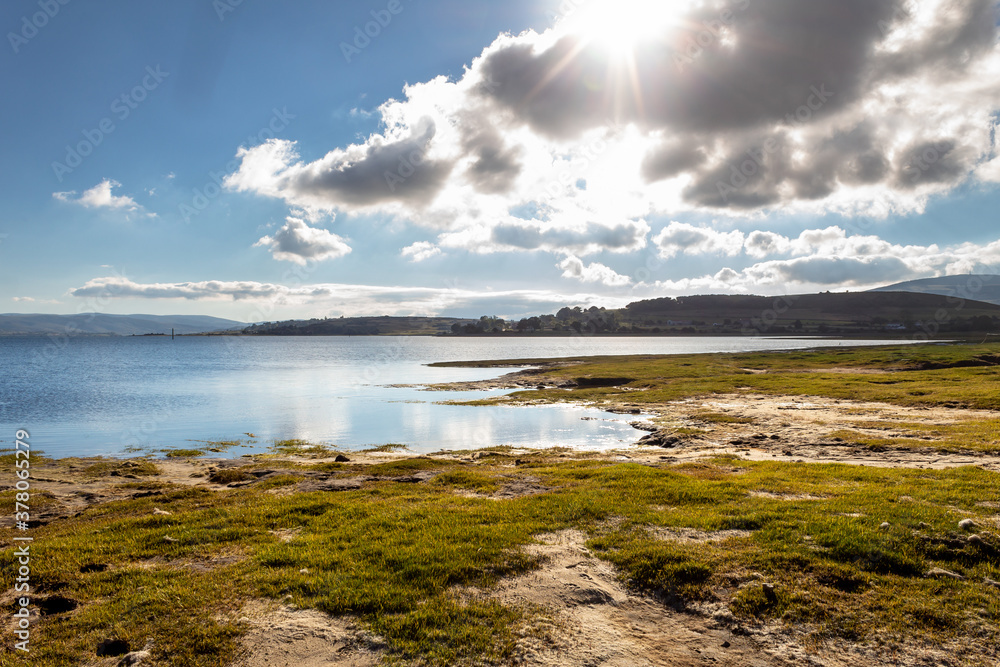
point(920, 375)
point(846, 548)
point(391, 553)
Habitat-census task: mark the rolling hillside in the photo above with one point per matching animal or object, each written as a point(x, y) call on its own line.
point(980, 288)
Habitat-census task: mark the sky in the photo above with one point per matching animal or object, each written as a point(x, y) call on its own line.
point(261, 160)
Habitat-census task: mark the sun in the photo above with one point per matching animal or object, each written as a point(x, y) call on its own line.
point(619, 26)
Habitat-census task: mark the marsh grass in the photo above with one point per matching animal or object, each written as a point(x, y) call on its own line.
point(391, 553)
point(914, 375)
point(182, 453)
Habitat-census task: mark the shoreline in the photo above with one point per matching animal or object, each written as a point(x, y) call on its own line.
point(827, 507)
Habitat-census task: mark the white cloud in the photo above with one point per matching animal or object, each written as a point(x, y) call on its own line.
point(888, 111)
point(990, 171)
point(100, 196)
point(299, 243)
point(23, 299)
point(342, 299)
point(420, 251)
point(679, 237)
point(830, 258)
point(573, 267)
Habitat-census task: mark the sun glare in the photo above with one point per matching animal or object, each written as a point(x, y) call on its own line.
point(621, 25)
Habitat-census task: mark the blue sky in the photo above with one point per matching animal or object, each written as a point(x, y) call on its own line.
point(262, 160)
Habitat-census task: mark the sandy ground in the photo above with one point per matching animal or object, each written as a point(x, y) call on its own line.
point(586, 617)
point(795, 428)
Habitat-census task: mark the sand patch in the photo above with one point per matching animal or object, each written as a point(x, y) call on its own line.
point(289, 637)
point(785, 496)
point(694, 535)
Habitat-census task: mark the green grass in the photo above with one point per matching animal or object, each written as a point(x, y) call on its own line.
point(721, 418)
point(913, 375)
point(982, 435)
point(391, 553)
point(182, 453)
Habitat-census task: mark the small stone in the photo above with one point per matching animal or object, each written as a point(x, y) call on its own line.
point(726, 644)
point(304, 570)
point(923, 526)
point(170, 539)
point(158, 511)
point(133, 658)
point(939, 573)
point(885, 526)
point(340, 458)
point(976, 540)
point(966, 524)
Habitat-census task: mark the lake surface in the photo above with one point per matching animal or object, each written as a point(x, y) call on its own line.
point(82, 396)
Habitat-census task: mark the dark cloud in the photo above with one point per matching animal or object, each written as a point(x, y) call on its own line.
point(670, 160)
point(626, 236)
point(495, 167)
point(782, 49)
point(387, 172)
point(932, 162)
point(963, 31)
point(298, 242)
point(836, 270)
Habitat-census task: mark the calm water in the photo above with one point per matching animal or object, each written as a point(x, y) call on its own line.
point(89, 395)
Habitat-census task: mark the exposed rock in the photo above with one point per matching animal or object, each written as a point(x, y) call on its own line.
point(340, 458)
point(939, 573)
point(659, 439)
point(967, 524)
point(158, 511)
point(134, 658)
point(885, 525)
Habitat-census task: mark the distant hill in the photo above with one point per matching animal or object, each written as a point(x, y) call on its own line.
point(115, 325)
point(848, 312)
point(981, 288)
point(358, 326)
